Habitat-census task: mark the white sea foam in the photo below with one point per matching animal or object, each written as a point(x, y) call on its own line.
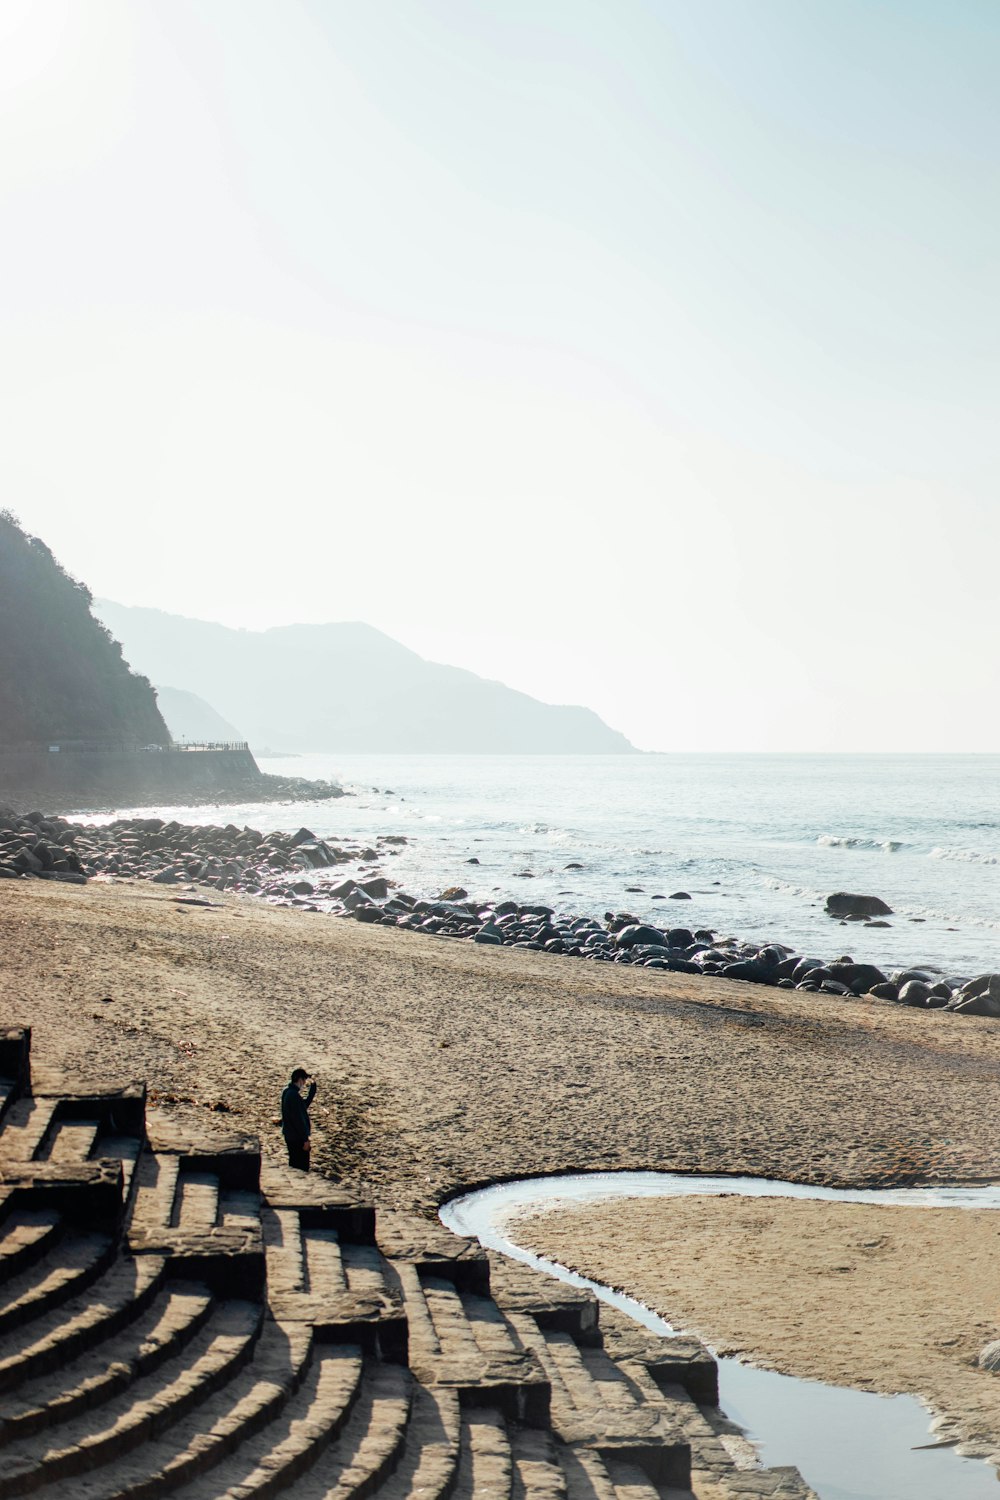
point(966, 856)
point(840, 841)
point(789, 888)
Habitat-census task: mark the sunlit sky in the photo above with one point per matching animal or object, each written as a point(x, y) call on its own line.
point(639, 353)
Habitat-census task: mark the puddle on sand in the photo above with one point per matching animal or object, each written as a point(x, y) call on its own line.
point(849, 1445)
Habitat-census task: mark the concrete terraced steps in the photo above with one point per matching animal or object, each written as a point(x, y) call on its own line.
point(178, 1319)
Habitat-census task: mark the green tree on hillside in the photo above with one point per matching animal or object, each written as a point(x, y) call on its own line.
point(62, 675)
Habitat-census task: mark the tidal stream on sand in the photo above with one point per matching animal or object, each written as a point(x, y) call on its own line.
point(848, 1444)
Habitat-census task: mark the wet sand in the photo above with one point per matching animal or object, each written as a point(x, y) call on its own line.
point(888, 1299)
point(443, 1064)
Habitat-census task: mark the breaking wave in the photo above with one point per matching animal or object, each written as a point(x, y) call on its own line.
point(839, 841)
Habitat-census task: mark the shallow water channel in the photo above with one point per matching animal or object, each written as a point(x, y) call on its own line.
point(849, 1445)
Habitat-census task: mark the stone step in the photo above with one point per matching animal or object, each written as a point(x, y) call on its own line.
point(156, 1177)
point(363, 1266)
point(494, 1335)
point(196, 1201)
point(462, 1341)
point(288, 1446)
point(206, 1435)
point(69, 1140)
point(216, 1147)
point(587, 1477)
point(319, 1203)
point(679, 1375)
point(324, 1268)
point(584, 1379)
point(70, 1266)
point(24, 1127)
point(709, 1457)
point(85, 1320)
point(425, 1342)
point(25, 1237)
point(573, 1388)
point(486, 1467)
point(596, 1404)
point(538, 1474)
point(239, 1206)
point(631, 1483)
point(433, 1250)
point(78, 1446)
point(372, 1443)
point(784, 1483)
point(429, 1467)
point(283, 1250)
point(346, 1291)
point(565, 1309)
point(158, 1334)
point(614, 1384)
point(669, 1362)
point(123, 1148)
point(452, 1328)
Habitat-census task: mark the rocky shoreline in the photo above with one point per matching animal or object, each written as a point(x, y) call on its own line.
point(299, 870)
point(271, 788)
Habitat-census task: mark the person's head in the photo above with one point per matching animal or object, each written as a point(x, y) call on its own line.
point(299, 1076)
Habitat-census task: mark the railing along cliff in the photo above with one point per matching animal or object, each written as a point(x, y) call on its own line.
point(132, 747)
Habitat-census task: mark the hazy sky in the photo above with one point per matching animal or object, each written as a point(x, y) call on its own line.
point(639, 353)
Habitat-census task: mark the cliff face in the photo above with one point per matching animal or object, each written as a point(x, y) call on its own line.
point(348, 687)
point(62, 676)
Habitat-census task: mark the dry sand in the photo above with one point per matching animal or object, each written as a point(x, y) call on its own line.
point(442, 1065)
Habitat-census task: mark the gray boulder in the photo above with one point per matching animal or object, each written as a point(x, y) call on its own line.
point(804, 967)
point(859, 978)
point(977, 1005)
point(844, 904)
point(639, 935)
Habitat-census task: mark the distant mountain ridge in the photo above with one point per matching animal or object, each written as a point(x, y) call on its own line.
point(62, 677)
point(189, 717)
point(348, 688)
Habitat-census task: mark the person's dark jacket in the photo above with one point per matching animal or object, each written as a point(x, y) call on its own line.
point(296, 1125)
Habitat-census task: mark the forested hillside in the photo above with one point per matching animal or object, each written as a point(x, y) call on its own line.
point(62, 676)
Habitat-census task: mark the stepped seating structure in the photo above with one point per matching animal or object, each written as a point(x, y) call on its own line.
point(178, 1319)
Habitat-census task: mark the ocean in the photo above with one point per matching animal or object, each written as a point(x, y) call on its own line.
point(757, 841)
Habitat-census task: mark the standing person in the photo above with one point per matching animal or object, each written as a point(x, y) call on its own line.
point(296, 1125)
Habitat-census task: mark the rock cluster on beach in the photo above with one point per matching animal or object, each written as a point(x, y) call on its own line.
point(270, 788)
point(297, 870)
point(166, 853)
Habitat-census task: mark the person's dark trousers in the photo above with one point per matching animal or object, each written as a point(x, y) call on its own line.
point(298, 1156)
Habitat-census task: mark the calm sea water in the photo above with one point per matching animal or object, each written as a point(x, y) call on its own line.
point(758, 841)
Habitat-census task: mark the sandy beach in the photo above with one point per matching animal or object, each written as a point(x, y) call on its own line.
point(445, 1065)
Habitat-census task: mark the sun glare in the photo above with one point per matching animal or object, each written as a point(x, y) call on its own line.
point(35, 40)
point(64, 83)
